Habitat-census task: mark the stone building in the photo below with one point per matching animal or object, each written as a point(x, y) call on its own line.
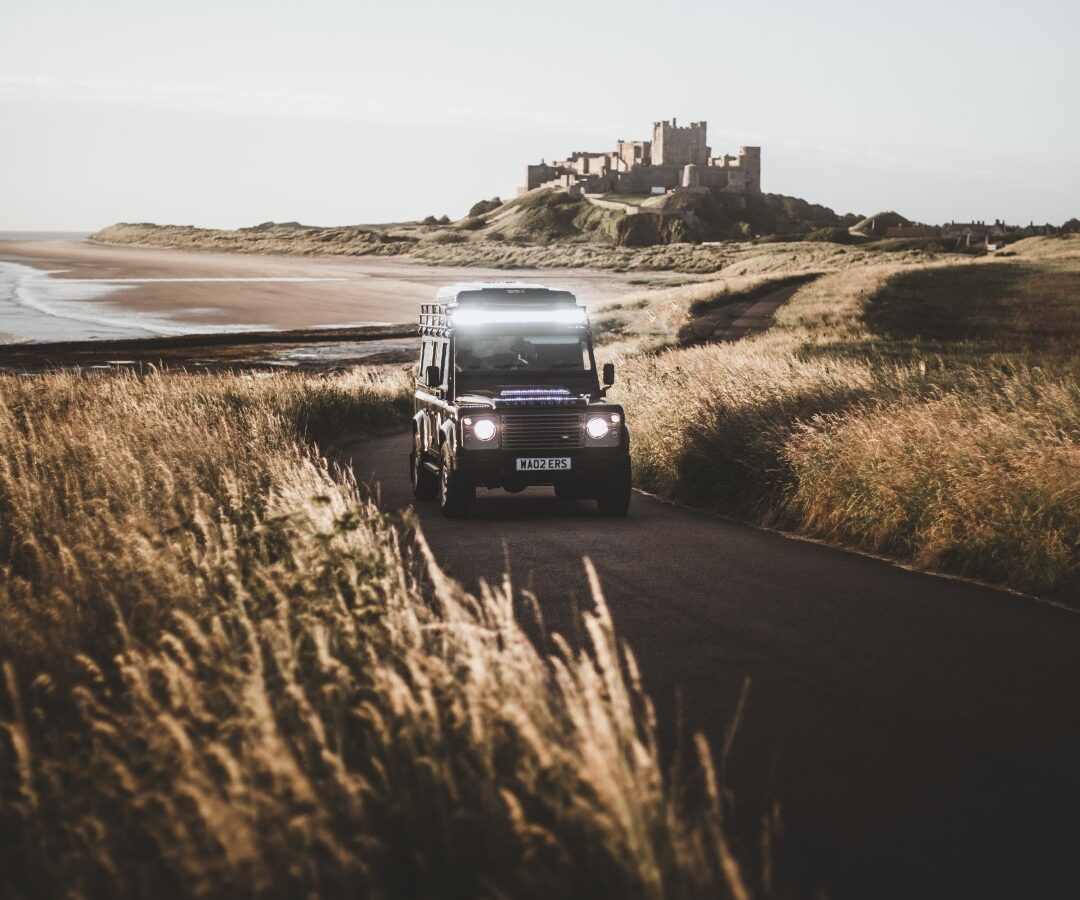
point(676, 159)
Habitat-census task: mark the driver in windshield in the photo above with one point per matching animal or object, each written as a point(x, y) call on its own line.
point(520, 352)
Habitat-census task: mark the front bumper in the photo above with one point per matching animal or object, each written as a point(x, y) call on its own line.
point(498, 468)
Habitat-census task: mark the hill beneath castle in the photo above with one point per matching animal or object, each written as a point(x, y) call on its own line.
point(542, 217)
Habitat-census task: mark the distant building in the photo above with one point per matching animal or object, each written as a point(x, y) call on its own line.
point(676, 159)
point(969, 234)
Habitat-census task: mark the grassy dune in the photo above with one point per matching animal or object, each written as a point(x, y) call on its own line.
point(225, 673)
point(929, 414)
point(458, 245)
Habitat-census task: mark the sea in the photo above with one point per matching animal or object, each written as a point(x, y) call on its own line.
point(44, 235)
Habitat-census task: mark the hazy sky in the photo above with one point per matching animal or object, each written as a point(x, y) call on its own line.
point(234, 112)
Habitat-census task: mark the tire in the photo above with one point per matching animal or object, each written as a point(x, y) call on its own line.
point(614, 499)
point(425, 483)
point(456, 493)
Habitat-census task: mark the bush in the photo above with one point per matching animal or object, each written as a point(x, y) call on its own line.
point(833, 235)
point(448, 237)
point(648, 229)
point(483, 207)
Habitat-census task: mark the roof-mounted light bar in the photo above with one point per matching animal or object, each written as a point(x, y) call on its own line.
point(507, 292)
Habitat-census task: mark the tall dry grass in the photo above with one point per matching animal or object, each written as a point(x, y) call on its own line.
point(982, 478)
point(962, 462)
point(227, 674)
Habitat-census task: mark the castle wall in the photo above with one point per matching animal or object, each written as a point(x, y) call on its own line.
point(634, 153)
point(535, 176)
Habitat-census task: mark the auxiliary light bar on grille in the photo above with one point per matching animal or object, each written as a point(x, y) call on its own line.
point(537, 397)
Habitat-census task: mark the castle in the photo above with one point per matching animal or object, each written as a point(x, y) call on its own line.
point(676, 159)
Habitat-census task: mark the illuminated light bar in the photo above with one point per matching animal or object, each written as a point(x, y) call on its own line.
point(481, 316)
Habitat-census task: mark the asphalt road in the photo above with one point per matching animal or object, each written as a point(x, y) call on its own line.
point(921, 734)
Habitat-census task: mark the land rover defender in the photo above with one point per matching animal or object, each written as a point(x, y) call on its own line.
point(508, 396)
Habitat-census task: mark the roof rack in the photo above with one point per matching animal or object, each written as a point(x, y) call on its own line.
point(434, 319)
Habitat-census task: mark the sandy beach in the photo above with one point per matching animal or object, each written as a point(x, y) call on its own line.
point(89, 291)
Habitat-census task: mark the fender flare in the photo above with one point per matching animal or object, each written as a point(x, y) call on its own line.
point(418, 426)
point(448, 435)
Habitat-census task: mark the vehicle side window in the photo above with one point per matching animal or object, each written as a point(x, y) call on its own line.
point(440, 361)
point(425, 359)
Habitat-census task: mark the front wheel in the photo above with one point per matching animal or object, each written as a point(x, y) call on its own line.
point(425, 483)
point(456, 492)
point(614, 499)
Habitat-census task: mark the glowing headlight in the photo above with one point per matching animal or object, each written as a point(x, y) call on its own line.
point(483, 429)
point(597, 427)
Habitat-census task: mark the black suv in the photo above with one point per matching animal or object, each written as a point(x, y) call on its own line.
point(507, 396)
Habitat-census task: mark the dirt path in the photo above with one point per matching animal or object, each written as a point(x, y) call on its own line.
point(734, 321)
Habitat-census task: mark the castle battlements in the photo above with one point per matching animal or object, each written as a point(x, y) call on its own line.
point(677, 158)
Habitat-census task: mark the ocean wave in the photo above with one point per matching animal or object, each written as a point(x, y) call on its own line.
point(37, 306)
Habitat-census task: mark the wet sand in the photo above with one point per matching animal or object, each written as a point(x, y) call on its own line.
point(180, 286)
point(312, 349)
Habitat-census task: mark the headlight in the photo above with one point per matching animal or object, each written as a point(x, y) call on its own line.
point(483, 429)
point(597, 427)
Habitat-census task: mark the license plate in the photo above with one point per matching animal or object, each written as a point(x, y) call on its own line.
point(543, 463)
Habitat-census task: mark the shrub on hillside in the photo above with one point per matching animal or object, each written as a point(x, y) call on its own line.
point(836, 234)
point(482, 207)
point(448, 237)
point(648, 229)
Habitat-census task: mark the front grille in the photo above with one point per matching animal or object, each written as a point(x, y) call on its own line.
point(545, 432)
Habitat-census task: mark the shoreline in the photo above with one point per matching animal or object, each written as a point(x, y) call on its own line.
point(302, 349)
point(108, 291)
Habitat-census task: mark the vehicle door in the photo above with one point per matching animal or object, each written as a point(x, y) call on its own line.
point(431, 397)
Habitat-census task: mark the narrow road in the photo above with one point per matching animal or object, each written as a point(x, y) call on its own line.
point(922, 735)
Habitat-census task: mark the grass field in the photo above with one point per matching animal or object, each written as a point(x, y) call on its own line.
point(998, 307)
point(931, 414)
point(225, 673)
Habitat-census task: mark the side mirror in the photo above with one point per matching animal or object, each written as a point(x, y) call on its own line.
point(609, 374)
point(432, 376)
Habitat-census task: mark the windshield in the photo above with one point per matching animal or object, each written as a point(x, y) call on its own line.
point(522, 351)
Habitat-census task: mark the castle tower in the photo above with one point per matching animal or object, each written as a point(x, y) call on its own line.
point(750, 161)
point(672, 145)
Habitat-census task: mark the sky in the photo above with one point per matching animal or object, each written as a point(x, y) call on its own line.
point(229, 112)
